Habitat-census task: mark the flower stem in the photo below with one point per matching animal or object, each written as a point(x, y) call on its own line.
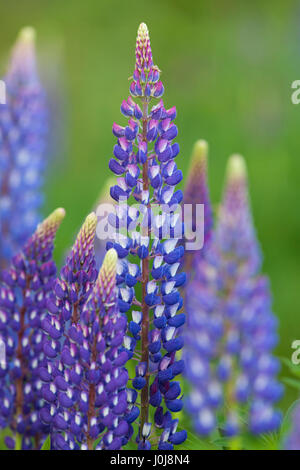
point(19, 381)
point(145, 280)
point(18, 445)
point(92, 399)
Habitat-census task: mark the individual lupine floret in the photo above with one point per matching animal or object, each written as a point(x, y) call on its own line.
point(231, 324)
point(196, 192)
point(91, 389)
point(144, 162)
point(24, 291)
point(23, 129)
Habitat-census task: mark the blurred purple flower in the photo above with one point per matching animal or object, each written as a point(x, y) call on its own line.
point(23, 128)
point(231, 328)
point(196, 192)
point(24, 291)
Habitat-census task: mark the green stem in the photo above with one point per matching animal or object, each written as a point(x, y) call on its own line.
point(145, 279)
point(18, 445)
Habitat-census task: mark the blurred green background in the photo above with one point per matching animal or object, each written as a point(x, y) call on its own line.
point(228, 67)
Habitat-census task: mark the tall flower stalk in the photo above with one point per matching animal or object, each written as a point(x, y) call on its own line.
point(87, 404)
point(22, 147)
point(199, 295)
point(24, 291)
point(70, 293)
point(232, 371)
point(196, 192)
point(144, 161)
point(107, 392)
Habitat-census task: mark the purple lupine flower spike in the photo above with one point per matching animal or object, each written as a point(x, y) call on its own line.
point(198, 297)
point(70, 292)
point(144, 162)
point(79, 272)
point(24, 291)
point(235, 219)
point(231, 325)
point(23, 128)
point(102, 307)
point(196, 192)
point(86, 391)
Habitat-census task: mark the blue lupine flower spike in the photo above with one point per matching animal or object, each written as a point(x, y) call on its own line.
point(146, 169)
point(231, 329)
point(24, 291)
point(23, 130)
point(196, 192)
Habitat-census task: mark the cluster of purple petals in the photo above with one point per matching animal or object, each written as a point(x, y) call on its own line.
point(145, 164)
point(24, 291)
point(231, 328)
point(164, 302)
point(23, 128)
point(84, 381)
point(69, 294)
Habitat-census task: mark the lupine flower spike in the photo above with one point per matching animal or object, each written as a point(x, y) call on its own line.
point(70, 292)
point(87, 399)
point(232, 370)
point(85, 381)
point(106, 378)
point(198, 294)
point(24, 291)
point(22, 147)
point(144, 161)
point(196, 192)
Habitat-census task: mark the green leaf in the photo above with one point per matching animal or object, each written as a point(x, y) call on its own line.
point(294, 368)
point(194, 442)
point(291, 382)
point(3, 434)
point(47, 444)
point(286, 422)
point(263, 442)
point(131, 445)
